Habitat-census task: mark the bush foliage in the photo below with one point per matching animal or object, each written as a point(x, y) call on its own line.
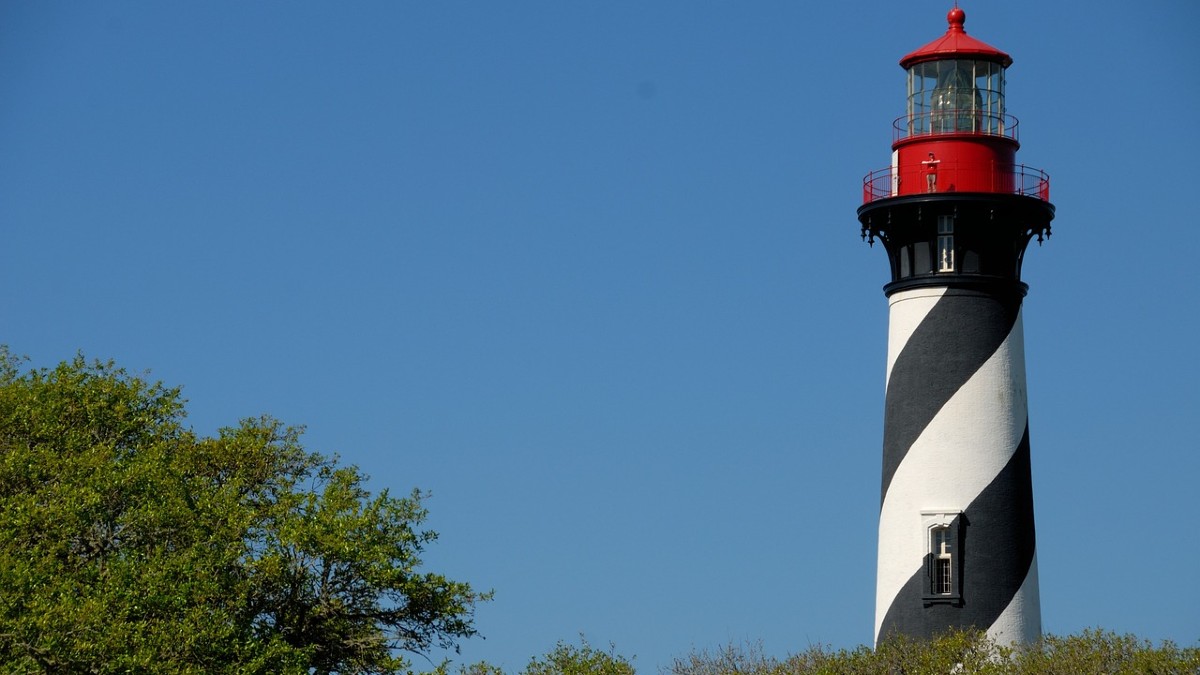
point(1091, 652)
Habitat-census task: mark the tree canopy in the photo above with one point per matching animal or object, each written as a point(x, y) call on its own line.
point(128, 543)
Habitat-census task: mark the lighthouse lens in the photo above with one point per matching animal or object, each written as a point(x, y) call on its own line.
point(955, 102)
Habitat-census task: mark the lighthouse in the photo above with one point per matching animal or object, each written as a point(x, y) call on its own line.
point(955, 213)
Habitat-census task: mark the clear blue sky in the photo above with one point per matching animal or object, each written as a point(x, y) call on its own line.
point(590, 273)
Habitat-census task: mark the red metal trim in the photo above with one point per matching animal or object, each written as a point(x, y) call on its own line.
point(1026, 180)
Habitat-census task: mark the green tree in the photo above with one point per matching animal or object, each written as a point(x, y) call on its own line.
point(565, 659)
point(585, 659)
point(130, 544)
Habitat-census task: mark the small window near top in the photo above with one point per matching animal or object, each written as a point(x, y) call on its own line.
point(945, 243)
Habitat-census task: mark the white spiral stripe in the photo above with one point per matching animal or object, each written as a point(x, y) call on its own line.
point(903, 322)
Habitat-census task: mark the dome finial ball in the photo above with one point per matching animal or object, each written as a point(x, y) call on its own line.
point(957, 18)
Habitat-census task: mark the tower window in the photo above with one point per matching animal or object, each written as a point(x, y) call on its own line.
point(943, 559)
point(945, 243)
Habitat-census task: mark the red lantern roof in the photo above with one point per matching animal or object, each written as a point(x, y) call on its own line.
point(956, 43)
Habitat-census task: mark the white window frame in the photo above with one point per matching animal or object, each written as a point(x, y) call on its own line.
point(945, 244)
point(942, 588)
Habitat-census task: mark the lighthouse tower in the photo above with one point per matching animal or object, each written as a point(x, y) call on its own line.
point(955, 213)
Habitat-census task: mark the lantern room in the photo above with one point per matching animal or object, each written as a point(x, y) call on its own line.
point(956, 84)
point(955, 135)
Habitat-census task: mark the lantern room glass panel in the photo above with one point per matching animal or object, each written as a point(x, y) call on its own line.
point(956, 96)
point(989, 82)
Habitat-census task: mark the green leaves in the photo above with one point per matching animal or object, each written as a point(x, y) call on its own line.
point(127, 544)
point(566, 659)
point(1092, 651)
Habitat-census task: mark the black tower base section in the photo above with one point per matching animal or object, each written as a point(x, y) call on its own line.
point(956, 239)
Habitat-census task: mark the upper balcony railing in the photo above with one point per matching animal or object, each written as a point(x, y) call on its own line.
point(964, 121)
point(959, 177)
